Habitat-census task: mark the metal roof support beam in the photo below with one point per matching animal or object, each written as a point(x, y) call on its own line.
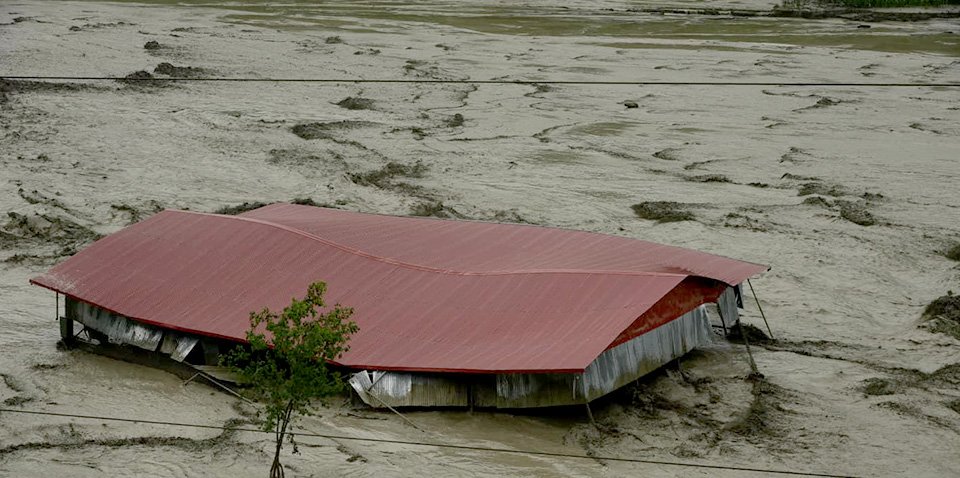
point(746, 343)
point(769, 333)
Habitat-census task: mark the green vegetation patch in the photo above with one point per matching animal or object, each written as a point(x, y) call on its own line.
point(356, 103)
point(709, 178)
point(325, 130)
point(171, 70)
point(383, 178)
point(878, 386)
point(953, 253)
point(821, 189)
point(433, 208)
point(240, 208)
point(662, 211)
point(943, 315)
point(856, 213)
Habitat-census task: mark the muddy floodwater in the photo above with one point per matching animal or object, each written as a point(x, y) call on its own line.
point(849, 192)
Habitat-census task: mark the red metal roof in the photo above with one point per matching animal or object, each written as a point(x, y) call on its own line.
point(429, 295)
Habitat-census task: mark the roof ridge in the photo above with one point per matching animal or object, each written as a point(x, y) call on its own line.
point(420, 267)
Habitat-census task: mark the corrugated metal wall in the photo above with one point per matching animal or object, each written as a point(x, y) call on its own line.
point(121, 330)
point(727, 303)
point(631, 360)
point(613, 369)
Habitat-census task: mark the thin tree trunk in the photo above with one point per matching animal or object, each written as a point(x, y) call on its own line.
point(276, 469)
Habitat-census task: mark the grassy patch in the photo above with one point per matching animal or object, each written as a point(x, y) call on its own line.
point(309, 202)
point(878, 386)
point(943, 315)
point(817, 201)
point(709, 178)
point(454, 121)
point(18, 400)
point(821, 189)
point(669, 154)
point(74, 441)
point(46, 229)
point(662, 211)
point(434, 209)
point(356, 103)
point(250, 206)
point(511, 216)
point(143, 78)
point(383, 178)
point(737, 220)
point(324, 130)
point(169, 69)
point(856, 213)
point(953, 253)
point(240, 208)
point(24, 86)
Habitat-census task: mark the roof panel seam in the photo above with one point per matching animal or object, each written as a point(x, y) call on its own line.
point(408, 265)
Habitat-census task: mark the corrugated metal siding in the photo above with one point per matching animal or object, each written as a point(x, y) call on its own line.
point(631, 360)
point(727, 302)
point(118, 329)
point(613, 369)
point(553, 312)
point(399, 389)
point(537, 390)
point(121, 330)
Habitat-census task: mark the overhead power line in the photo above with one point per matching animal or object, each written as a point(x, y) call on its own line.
point(484, 82)
point(439, 445)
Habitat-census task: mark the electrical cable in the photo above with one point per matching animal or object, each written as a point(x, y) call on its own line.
point(487, 82)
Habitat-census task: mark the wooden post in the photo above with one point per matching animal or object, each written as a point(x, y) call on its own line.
point(470, 397)
point(760, 309)
point(722, 321)
point(66, 330)
point(66, 326)
point(590, 414)
point(746, 343)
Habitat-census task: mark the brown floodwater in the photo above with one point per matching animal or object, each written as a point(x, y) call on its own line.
point(770, 174)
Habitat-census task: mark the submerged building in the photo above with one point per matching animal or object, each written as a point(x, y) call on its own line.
point(451, 313)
